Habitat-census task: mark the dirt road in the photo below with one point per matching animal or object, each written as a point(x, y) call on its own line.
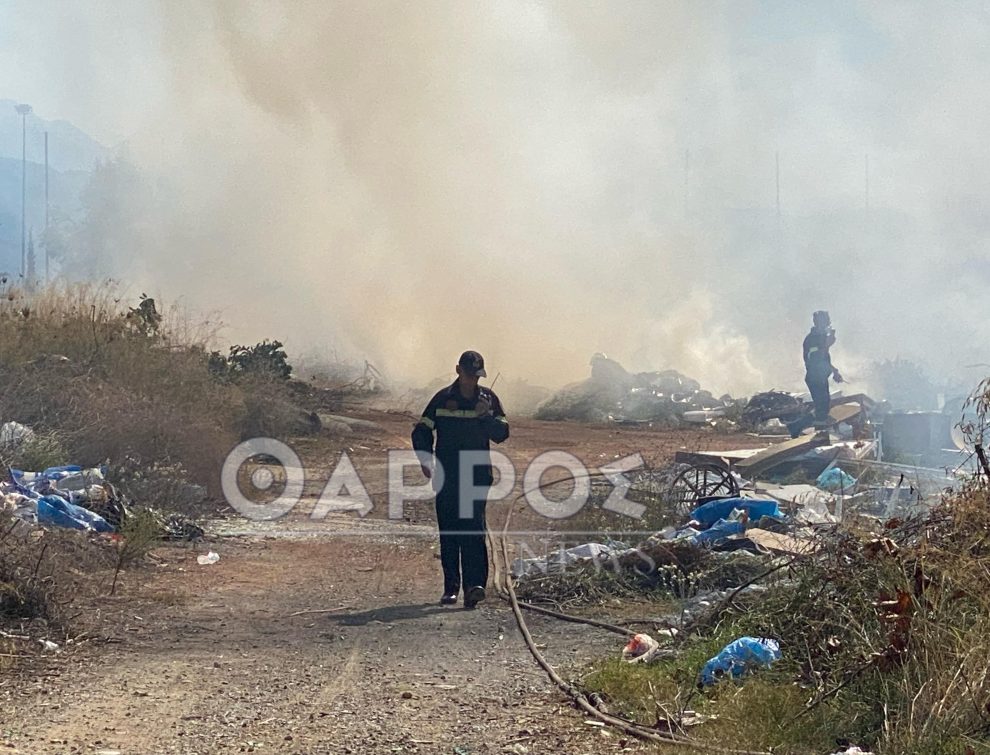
point(302, 641)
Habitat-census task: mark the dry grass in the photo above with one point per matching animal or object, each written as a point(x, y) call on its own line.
point(77, 361)
point(43, 571)
point(99, 381)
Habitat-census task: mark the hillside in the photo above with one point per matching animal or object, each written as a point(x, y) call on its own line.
point(71, 153)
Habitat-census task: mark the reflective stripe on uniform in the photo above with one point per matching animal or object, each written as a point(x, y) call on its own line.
point(502, 419)
point(812, 350)
point(459, 413)
point(424, 420)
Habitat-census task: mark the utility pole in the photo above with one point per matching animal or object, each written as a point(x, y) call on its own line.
point(780, 224)
point(867, 175)
point(31, 262)
point(24, 110)
point(46, 211)
point(687, 182)
point(778, 187)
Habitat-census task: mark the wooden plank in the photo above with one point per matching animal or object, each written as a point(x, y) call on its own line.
point(695, 458)
point(844, 412)
point(780, 452)
point(721, 458)
point(857, 398)
point(779, 543)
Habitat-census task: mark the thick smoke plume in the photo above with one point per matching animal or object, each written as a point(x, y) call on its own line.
point(540, 181)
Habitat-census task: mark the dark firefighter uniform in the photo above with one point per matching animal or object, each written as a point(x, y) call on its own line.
point(818, 366)
point(458, 428)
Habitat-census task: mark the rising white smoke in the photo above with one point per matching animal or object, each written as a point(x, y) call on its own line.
point(541, 181)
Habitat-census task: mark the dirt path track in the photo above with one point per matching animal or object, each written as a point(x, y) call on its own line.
point(209, 659)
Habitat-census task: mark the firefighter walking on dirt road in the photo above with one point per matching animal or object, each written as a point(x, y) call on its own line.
point(466, 418)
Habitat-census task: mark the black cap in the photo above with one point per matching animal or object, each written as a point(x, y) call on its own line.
point(472, 363)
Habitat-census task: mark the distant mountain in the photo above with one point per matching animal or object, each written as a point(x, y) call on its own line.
point(69, 148)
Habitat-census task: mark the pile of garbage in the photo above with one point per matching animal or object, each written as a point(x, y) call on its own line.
point(67, 496)
point(667, 397)
point(854, 575)
point(73, 497)
point(612, 394)
point(798, 487)
point(771, 412)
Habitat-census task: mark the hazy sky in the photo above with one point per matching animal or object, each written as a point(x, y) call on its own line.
point(97, 64)
point(401, 181)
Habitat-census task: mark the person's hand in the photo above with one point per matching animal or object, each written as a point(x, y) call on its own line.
point(837, 376)
point(427, 472)
point(483, 408)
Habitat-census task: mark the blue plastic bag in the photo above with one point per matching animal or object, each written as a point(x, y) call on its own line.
point(709, 513)
point(721, 530)
point(835, 479)
point(739, 657)
point(55, 473)
point(55, 510)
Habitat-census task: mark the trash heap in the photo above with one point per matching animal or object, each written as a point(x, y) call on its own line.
point(793, 495)
point(781, 413)
point(864, 585)
point(612, 394)
point(764, 501)
point(771, 411)
point(73, 497)
point(67, 496)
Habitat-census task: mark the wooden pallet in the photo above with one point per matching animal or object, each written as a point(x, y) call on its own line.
point(779, 452)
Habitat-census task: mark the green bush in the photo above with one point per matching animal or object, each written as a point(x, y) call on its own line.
point(267, 358)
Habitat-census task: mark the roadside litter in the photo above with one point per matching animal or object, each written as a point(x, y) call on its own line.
point(640, 649)
point(210, 558)
point(837, 567)
point(710, 513)
point(740, 657)
point(13, 435)
point(57, 511)
point(613, 394)
point(74, 497)
point(558, 560)
point(56, 496)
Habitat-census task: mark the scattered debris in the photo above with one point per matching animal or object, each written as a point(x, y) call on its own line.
point(640, 649)
point(740, 657)
point(777, 542)
point(559, 559)
point(612, 394)
point(771, 405)
point(210, 558)
point(73, 497)
point(13, 435)
point(337, 424)
point(177, 527)
point(835, 479)
point(57, 495)
point(52, 509)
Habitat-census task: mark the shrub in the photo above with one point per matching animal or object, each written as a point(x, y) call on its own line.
point(267, 358)
point(111, 380)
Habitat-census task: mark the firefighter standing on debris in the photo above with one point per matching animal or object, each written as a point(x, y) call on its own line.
point(818, 366)
point(466, 417)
